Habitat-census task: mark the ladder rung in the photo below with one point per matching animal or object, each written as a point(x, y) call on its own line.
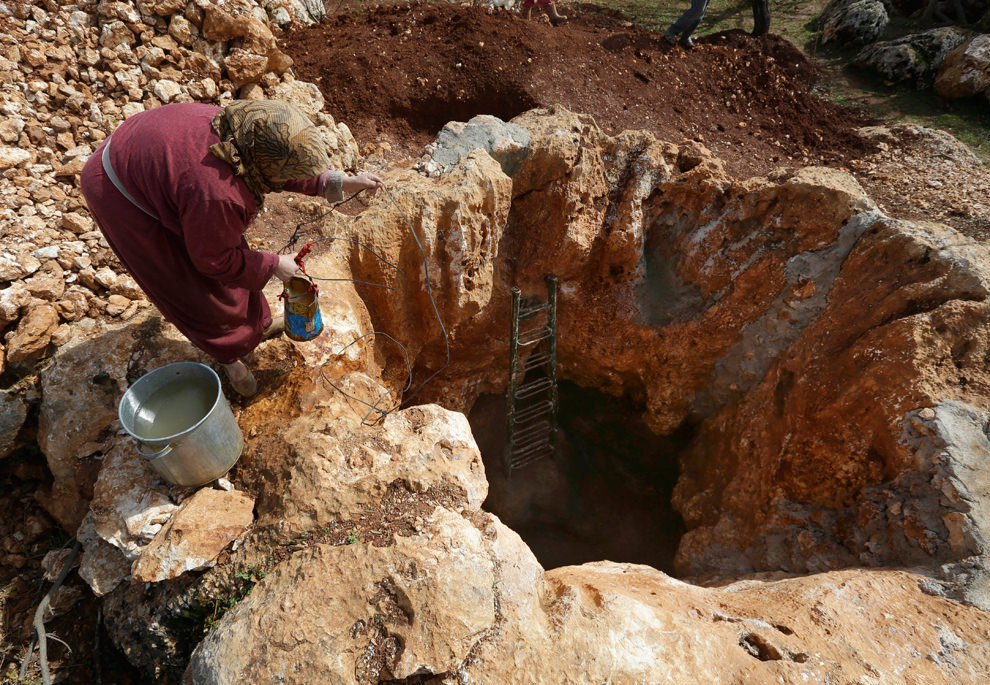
point(525, 429)
point(533, 388)
point(539, 409)
point(524, 433)
point(529, 311)
point(534, 455)
point(532, 426)
point(527, 447)
point(534, 335)
point(534, 360)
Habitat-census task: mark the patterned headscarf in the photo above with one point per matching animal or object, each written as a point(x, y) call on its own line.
point(267, 139)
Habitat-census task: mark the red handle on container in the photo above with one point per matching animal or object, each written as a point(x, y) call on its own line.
point(302, 253)
point(298, 259)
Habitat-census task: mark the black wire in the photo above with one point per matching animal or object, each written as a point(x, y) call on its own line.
point(352, 280)
point(295, 234)
point(330, 239)
point(374, 408)
point(429, 292)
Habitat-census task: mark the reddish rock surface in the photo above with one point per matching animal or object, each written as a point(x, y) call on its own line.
point(824, 359)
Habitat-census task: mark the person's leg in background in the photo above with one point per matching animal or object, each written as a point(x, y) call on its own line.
point(551, 11)
point(687, 23)
point(761, 17)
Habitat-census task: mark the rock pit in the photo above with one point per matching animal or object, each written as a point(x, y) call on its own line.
point(813, 370)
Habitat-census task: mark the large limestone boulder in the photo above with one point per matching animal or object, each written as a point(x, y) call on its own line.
point(915, 58)
point(195, 534)
point(501, 616)
point(966, 70)
point(421, 447)
point(506, 143)
point(129, 506)
point(459, 233)
point(353, 613)
point(853, 22)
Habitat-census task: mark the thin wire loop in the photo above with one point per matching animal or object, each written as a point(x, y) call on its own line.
point(433, 302)
point(375, 409)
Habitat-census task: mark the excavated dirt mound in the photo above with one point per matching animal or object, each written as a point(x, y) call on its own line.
point(398, 74)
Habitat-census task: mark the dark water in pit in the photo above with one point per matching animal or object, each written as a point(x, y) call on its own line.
point(605, 495)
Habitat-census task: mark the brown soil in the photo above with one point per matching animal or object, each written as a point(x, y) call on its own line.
point(398, 74)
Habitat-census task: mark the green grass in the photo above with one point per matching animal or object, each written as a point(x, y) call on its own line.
point(967, 120)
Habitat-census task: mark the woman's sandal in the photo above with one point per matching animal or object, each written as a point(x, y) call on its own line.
point(246, 386)
point(275, 328)
point(555, 17)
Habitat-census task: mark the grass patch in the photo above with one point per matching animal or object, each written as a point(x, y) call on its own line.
point(967, 120)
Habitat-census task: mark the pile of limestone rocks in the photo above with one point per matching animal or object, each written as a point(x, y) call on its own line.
point(69, 75)
point(955, 59)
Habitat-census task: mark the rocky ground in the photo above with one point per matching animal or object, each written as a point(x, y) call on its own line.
point(70, 73)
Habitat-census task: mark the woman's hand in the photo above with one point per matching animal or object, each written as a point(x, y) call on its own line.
point(363, 181)
point(286, 268)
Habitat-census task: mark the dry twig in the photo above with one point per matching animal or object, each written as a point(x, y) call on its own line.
point(39, 622)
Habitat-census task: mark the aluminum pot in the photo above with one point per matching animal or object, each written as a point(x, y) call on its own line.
point(204, 441)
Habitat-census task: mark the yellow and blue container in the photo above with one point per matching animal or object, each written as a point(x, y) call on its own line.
point(302, 309)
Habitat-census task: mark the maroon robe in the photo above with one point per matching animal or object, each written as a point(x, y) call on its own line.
point(192, 262)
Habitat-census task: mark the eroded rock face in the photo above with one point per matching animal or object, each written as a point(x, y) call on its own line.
point(853, 22)
point(966, 70)
point(915, 58)
point(829, 441)
point(735, 297)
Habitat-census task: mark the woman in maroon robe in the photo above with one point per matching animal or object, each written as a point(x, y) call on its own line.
point(173, 190)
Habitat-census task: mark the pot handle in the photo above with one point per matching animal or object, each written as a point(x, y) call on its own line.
point(154, 455)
